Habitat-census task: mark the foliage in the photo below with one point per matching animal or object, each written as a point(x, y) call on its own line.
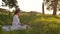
point(10, 3)
point(49, 4)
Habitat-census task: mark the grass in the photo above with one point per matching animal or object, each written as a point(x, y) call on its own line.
point(47, 24)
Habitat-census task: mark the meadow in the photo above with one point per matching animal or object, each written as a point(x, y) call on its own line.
point(47, 24)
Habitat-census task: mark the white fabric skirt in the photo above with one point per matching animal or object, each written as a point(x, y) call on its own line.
point(13, 27)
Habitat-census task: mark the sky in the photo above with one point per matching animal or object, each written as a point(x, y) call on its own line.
point(30, 5)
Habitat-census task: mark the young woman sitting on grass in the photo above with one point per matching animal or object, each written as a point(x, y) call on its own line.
point(16, 21)
point(16, 25)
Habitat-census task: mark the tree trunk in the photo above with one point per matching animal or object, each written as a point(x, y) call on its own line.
point(55, 7)
point(43, 8)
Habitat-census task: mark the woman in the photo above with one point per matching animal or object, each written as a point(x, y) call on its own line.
point(16, 16)
point(16, 25)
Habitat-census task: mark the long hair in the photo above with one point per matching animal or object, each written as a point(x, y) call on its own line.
point(17, 11)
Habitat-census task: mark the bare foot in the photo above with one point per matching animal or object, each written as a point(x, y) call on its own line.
point(28, 28)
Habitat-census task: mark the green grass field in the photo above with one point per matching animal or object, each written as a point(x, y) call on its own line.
point(39, 24)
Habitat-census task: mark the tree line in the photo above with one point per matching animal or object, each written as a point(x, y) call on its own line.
point(51, 5)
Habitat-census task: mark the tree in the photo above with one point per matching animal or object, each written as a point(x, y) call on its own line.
point(53, 5)
point(10, 3)
point(43, 7)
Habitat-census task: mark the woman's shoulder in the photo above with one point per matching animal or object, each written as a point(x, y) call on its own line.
point(15, 16)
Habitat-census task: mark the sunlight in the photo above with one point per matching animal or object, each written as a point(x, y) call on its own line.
point(30, 5)
point(0, 2)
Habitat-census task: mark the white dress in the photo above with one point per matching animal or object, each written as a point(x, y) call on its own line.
point(16, 25)
point(15, 20)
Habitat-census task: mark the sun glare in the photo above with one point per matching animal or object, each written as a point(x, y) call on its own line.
point(30, 5)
